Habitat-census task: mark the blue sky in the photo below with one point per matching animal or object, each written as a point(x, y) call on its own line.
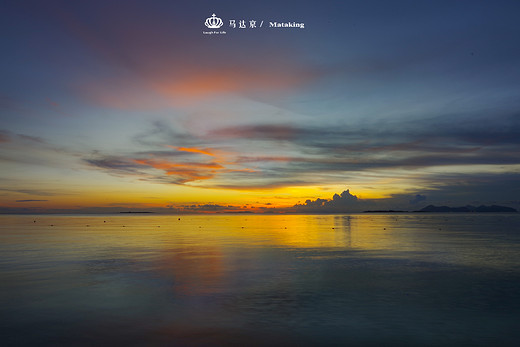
point(105, 105)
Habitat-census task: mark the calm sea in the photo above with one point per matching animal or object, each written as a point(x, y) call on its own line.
point(221, 280)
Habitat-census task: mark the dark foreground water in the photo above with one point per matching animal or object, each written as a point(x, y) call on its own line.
point(403, 279)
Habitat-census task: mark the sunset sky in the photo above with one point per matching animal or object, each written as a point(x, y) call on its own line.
point(127, 105)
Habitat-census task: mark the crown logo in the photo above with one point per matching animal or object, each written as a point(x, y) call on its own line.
point(213, 22)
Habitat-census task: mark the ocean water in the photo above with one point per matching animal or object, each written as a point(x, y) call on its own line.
point(273, 280)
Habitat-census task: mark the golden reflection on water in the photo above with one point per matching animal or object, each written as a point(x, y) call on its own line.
point(227, 278)
point(368, 232)
point(363, 232)
point(197, 251)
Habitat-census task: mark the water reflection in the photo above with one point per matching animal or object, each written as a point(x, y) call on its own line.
point(194, 270)
point(293, 280)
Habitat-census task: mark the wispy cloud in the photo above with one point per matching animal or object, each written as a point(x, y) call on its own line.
point(185, 172)
point(30, 150)
point(208, 208)
point(312, 155)
point(119, 165)
point(30, 200)
point(4, 136)
point(9, 136)
point(265, 132)
point(204, 151)
point(36, 192)
point(428, 143)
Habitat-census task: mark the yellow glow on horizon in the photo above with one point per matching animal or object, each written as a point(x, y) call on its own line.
point(153, 195)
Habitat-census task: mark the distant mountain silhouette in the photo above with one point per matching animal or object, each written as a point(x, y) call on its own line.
point(468, 208)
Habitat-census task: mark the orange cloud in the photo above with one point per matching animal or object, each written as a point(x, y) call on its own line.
point(187, 172)
point(201, 83)
point(170, 87)
point(191, 170)
point(194, 150)
point(149, 71)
